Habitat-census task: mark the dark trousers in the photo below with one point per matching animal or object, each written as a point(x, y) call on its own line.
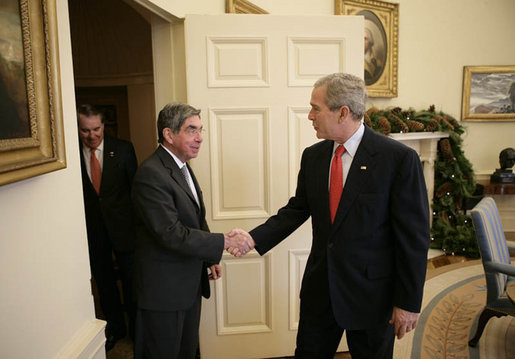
point(103, 271)
point(319, 336)
point(125, 263)
point(167, 334)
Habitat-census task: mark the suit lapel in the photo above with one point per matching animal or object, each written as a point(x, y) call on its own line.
point(85, 177)
point(361, 168)
point(176, 174)
point(108, 159)
point(322, 165)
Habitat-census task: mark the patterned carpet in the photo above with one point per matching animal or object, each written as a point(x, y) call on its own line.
point(451, 307)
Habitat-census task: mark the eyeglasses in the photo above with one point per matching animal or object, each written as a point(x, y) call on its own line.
point(192, 131)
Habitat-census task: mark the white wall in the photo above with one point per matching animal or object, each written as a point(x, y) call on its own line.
point(436, 39)
point(44, 277)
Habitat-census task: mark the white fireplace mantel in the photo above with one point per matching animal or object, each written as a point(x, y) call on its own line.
point(426, 145)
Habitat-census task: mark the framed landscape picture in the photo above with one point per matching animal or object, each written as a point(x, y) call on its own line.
point(380, 43)
point(488, 93)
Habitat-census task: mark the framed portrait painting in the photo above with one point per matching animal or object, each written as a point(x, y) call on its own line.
point(242, 7)
point(488, 93)
point(380, 43)
point(31, 124)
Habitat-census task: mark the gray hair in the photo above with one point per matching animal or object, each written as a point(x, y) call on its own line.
point(345, 90)
point(172, 116)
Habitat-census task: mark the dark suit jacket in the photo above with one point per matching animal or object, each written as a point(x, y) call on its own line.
point(112, 209)
point(374, 256)
point(174, 244)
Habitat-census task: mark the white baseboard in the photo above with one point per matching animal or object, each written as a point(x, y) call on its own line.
point(87, 343)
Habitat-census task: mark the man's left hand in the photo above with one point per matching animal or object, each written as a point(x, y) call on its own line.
point(404, 321)
point(216, 272)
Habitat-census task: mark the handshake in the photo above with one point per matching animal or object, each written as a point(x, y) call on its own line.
point(238, 242)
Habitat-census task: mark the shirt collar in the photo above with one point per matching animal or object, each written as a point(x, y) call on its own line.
point(101, 146)
point(352, 144)
point(87, 150)
point(177, 160)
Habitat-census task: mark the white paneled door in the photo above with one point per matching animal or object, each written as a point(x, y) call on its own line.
point(252, 76)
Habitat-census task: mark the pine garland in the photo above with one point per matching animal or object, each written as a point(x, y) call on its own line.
point(452, 229)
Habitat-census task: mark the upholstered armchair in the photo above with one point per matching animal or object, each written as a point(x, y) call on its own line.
point(495, 255)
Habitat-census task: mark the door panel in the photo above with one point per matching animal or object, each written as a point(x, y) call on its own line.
point(252, 76)
point(230, 131)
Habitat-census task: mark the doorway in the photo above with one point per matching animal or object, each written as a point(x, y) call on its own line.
point(113, 67)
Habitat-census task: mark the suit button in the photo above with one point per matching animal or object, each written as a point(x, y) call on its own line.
point(330, 245)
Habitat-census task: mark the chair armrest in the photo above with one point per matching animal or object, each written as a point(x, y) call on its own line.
point(508, 269)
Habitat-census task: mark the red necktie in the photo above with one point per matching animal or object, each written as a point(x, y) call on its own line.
point(336, 182)
point(96, 171)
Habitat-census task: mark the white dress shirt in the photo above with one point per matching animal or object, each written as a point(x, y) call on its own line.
point(351, 146)
point(182, 164)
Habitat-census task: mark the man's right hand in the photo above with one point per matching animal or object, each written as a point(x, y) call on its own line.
point(238, 242)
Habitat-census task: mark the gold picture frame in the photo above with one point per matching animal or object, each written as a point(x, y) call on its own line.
point(31, 136)
point(242, 7)
point(382, 38)
point(488, 93)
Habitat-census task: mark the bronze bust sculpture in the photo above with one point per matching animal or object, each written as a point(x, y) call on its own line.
point(505, 173)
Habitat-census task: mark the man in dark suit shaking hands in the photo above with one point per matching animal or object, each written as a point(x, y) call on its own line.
point(174, 247)
point(108, 168)
point(366, 196)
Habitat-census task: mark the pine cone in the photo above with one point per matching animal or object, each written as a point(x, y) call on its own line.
point(452, 120)
point(445, 147)
point(415, 125)
point(432, 108)
point(384, 126)
point(438, 118)
point(447, 124)
point(443, 189)
point(367, 120)
point(431, 125)
point(372, 110)
point(397, 122)
point(406, 114)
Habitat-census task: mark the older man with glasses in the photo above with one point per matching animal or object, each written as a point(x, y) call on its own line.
point(174, 247)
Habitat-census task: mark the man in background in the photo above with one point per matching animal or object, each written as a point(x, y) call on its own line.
point(108, 168)
point(174, 247)
point(366, 196)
